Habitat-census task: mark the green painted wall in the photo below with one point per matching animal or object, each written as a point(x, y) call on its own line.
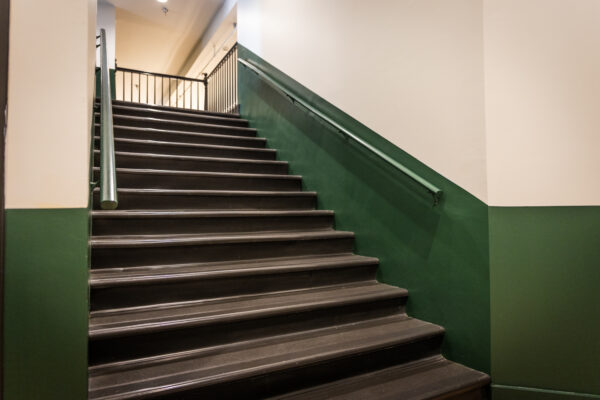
point(440, 254)
point(113, 89)
point(545, 300)
point(46, 307)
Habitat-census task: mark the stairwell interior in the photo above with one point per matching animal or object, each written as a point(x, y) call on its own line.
point(217, 278)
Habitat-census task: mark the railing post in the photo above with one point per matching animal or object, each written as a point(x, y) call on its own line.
point(205, 91)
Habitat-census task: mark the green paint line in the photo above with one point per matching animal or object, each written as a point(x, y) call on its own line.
point(46, 304)
point(546, 391)
point(440, 254)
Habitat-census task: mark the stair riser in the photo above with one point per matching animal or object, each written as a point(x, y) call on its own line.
point(182, 126)
point(173, 136)
point(134, 256)
point(149, 225)
point(201, 288)
point(190, 182)
point(173, 340)
point(132, 201)
point(284, 381)
point(179, 116)
point(250, 153)
point(127, 161)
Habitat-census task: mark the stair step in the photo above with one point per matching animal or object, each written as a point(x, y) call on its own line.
point(136, 222)
point(169, 179)
point(133, 132)
point(134, 332)
point(127, 287)
point(189, 149)
point(259, 368)
point(170, 108)
point(147, 122)
point(429, 378)
point(132, 199)
point(194, 163)
point(178, 115)
point(133, 250)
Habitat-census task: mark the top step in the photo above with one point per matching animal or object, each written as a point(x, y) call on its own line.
point(152, 107)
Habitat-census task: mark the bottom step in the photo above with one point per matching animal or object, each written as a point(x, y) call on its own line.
point(429, 378)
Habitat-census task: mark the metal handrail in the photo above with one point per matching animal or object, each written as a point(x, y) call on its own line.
point(108, 173)
point(434, 190)
point(137, 71)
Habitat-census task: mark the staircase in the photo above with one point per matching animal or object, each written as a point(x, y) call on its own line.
point(216, 278)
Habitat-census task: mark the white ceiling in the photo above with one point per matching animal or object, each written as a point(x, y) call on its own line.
point(149, 40)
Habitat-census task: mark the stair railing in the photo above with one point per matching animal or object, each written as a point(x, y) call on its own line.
point(431, 188)
point(108, 173)
point(222, 84)
point(158, 89)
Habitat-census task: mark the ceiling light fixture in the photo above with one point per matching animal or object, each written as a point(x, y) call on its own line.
point(162, 1)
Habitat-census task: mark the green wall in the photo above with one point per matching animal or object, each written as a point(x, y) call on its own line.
point(112, 78)
point(440, 254)
point(545, 301)
point(46, 306)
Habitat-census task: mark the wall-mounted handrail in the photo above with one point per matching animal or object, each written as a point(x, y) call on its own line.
point(108, 173)
point(431, 188)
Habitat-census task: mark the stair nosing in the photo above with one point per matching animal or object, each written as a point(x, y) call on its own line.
point(201, 134)
point(183, 123)
point(178, 113)
point(184, 213)
point(196, 158)
point(200, 192)
point(215, 174)
point(121, 278)
point(176, 240)
point(151, 142)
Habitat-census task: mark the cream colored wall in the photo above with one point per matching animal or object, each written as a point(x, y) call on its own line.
point(49, 103)
point(500, 96)
point(410, 70)
point(106, 19)
point(542, 83)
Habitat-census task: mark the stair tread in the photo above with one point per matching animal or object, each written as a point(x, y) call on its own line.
point(194, 213)
point(137, 119)
point(423, 379)
point(167, 132)
point(111, 277)
point(225, 363)
point(206, 174)
point(216, 192)
point(174, 113)
point(199, 158)
point(170, 108)
point(160, 317)
point(192, 145)
point(188, 239)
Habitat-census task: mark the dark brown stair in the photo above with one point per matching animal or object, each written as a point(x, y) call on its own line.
point(195, 163)
point(217, 278)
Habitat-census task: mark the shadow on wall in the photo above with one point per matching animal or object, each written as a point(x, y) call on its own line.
point(440, 254)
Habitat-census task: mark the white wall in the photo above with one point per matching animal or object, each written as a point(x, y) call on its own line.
point(410, 70)
point(542, 83)
point(49, 103)
point(500, 96)
point(106, 19)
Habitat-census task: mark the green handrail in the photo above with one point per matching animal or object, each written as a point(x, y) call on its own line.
point(108, 173)
point(434, 190)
